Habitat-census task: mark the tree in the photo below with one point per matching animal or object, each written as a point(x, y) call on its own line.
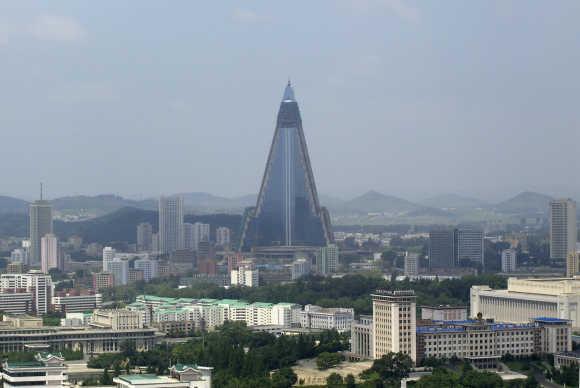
point(327, 360)
point(334, 380)
point(391, 366)
point(475, 379)
point(350, 381)
point(284, 378)
point(106, 378)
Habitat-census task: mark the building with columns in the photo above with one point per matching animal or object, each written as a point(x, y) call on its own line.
point(525, 299)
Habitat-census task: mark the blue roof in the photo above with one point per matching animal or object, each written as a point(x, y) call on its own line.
point(438, 329)
point(504, 326)
point(551, 320)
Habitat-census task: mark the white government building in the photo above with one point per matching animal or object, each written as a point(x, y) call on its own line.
point(525, 299)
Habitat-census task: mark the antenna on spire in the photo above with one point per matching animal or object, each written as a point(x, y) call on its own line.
point(289, 82)
point(41, 191)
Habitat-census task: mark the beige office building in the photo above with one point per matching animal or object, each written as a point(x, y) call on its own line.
point(394, 323)
point(526, 299)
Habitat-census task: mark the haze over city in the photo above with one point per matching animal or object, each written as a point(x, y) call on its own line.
point(408, 98)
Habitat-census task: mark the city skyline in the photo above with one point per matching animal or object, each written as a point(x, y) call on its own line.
point(393, 123)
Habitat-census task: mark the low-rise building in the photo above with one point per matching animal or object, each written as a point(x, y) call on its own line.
point(317, 317)
point(566, 359)
point(76, 302)
point(180, 376)
point(361, 334)
point(525, 299)
point(117, 319)
point(484, 342)
point(91, 341)
point(48, 370)
point(21, 321)
point(16, 301)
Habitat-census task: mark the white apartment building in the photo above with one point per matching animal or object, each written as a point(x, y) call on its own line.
point(525, 299)
point(108, 255)
point(119, 268)
point(508, 260)
point(49, 253)
point(35, 282)
point(209, 313)
point(316, 317)
point(149, 267)
point(245, 275)
point(394, 323)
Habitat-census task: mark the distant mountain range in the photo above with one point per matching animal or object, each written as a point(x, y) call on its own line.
point(369, 203)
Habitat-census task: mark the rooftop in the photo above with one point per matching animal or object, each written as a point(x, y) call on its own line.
point(146, 379)
point(24, 364)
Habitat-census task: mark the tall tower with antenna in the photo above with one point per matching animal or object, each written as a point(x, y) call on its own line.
point(40, 224)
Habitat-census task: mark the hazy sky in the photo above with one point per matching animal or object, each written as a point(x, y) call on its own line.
point(411, 98)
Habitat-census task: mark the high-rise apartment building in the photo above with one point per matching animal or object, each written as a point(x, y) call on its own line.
point(449, 247)
point(394, 323)
point(222, 237)
point(49, 254)
point(35, 282)
point(563, 230)
point(287, 212)
point(200, 234)
point(572, 264)
point(40, 224)
point(411, 264)
point(19, 255)
point(149, 267)
point(442, 248)
point(119, 268)
point(108, 255)
point(170, 224)
point(245, 275)
point(188, 240)
point(327, 259)
point(144, 237)
point(508, 260)
point(102, 280)
point(470, 245)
